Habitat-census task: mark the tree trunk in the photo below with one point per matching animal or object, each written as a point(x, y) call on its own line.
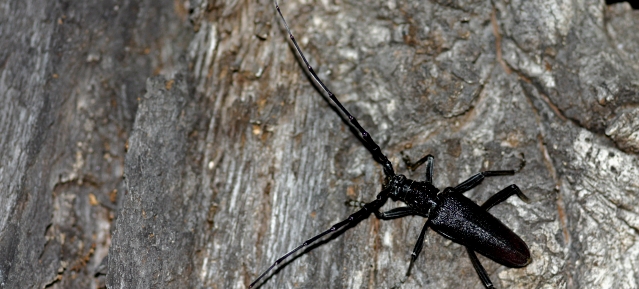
point(169, 144)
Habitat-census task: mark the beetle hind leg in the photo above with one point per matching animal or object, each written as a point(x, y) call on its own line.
point(491, 202)
point(481, 272)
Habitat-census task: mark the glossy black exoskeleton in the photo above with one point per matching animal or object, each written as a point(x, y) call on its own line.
point(448, 212)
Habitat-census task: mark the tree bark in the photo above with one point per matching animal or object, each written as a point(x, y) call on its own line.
point(169, 144)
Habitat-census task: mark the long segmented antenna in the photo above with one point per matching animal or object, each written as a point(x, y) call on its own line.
point(377, 152)
point(366, 210)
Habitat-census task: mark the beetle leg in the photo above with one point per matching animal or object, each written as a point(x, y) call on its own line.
point(491, 202)
point(403, 212)
point(478, 178)
point(503, 195)
point(429, 168)
point(483, 275)
point(413, 166)
point(418, 249)
point(395, 213)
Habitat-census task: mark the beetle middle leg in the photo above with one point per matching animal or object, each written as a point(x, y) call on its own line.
point(478, 178)
point(503, 195)
point(403, 212)
point(491, 202)
point(419, 245)
point(416, 250)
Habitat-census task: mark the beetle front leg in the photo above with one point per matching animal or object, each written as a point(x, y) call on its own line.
point(413, 166)
point(395, 213)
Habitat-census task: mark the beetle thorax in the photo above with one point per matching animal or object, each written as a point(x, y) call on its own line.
point(420, 196)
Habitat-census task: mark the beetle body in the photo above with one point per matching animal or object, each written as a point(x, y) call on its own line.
point(448, 212)
point(461, 220)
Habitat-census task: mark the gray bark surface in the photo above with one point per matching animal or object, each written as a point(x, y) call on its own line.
point(71, 74)
point(169, 144)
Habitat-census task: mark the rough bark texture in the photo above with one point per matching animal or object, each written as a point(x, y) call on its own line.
point(201, 177)
point(71, 76)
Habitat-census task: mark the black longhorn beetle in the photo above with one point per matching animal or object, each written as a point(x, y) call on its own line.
point(448, 212)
